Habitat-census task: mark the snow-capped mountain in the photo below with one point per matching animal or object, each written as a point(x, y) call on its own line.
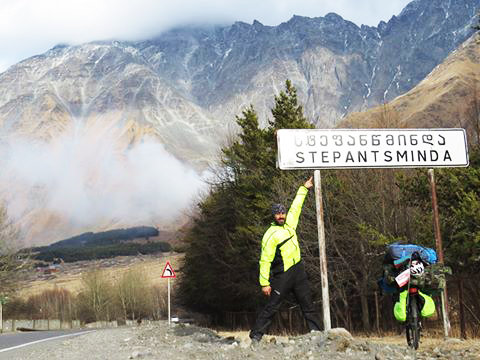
point(186, 86)
point(182, 90)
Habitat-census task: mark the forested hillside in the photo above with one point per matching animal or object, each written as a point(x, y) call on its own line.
point(105, 244)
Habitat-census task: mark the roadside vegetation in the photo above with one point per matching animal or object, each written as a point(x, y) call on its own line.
point(131, 296)
point(10, 264)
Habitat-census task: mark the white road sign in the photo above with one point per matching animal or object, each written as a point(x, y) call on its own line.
point(168, 271)
point(371, 148)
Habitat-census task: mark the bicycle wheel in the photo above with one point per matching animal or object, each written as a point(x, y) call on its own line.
point(413, 323)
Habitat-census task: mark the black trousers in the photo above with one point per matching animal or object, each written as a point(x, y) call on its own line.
point(295, 280)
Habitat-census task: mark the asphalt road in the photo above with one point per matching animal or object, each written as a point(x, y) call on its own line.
point(17, 340)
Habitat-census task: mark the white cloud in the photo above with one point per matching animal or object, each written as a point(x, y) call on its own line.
point(86, 179)
point(29, 27)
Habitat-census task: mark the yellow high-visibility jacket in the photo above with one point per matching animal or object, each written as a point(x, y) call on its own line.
point(280, 249)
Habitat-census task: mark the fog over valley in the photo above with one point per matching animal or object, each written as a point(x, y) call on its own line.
point(88, 177)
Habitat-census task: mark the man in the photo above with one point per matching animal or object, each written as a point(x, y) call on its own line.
point(281, 268)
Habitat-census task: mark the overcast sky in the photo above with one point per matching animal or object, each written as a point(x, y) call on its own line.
point(30, 27)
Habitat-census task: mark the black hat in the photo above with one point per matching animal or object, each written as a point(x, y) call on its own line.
point(278, 209)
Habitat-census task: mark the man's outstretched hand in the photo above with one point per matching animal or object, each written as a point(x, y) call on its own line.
point(266, 290)
point(309, 183)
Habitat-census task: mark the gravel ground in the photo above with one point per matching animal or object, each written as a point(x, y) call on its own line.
point(179, 341)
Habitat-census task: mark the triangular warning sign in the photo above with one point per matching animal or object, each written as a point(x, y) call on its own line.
point(168, 271)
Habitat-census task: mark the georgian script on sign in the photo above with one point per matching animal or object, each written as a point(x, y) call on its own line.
point(371, 148)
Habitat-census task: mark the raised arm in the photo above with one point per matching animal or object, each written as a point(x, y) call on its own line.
point(295, 210)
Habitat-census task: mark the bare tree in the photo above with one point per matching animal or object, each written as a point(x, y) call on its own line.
point(97, 295)
point(134, 294)
point(55, 303)
point(159, 302)
point(9, 264)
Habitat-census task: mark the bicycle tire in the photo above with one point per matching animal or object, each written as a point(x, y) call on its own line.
point(413, 323)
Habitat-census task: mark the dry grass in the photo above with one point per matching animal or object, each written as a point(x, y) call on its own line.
point(71, 279)
point(437, 101)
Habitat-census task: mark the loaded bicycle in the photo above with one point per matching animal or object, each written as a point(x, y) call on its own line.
point(413, 274)
point(413, 325)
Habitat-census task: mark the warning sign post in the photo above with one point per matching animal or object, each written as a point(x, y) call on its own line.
point(168, 273)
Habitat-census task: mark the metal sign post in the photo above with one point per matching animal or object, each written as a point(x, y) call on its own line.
point(168, 273)
point(322, 251)
point(438, 244)
point(169, 316)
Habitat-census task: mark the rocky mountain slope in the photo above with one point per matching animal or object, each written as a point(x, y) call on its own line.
point(185, 86)
point(106, 134)
point(448, 97)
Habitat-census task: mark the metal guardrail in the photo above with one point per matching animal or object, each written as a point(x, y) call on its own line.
point(11, 325)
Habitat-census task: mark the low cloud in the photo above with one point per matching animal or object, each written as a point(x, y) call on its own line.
point(30, 27)
point(87, 178)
